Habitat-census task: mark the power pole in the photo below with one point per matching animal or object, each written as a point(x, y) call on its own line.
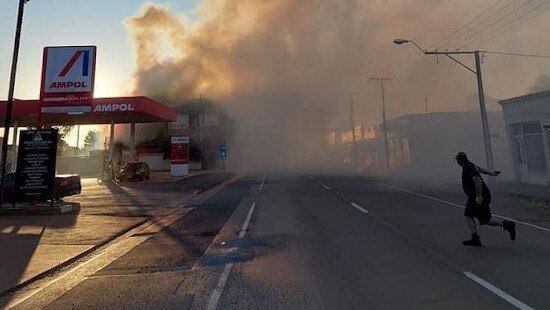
point(484, 119)
point(384, 125)
point(477, 72)
point(9, 107)
point(352, 122)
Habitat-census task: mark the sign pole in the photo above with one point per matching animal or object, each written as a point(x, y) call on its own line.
point(9, 107)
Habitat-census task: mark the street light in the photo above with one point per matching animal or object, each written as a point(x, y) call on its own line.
point(482, 108)
point(9, 106)
point(403, 41)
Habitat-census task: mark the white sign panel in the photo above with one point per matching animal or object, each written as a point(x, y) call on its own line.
point(68, 79)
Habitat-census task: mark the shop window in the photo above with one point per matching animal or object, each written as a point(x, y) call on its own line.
point(534, 148)
point(531, 127)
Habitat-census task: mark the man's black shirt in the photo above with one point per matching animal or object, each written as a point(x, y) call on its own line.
point(469, 171)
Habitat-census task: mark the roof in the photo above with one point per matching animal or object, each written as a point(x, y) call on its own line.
point(121, 110)
point(524, 98)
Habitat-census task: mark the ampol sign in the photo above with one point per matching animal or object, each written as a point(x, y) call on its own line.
point(67, 79)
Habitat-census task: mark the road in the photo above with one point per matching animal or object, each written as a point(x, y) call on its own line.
point(290, 241)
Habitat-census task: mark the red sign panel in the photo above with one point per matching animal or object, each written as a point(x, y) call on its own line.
point(179, 153)
point(67, 79)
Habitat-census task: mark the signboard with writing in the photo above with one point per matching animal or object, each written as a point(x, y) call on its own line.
point(35, 173)
point(179, 156)
point(67, 79)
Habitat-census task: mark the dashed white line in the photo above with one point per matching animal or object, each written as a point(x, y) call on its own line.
point(262, 184)
point(217, 293)
point(500, 293)
point(462, 207)
point(358, 207)
point(326, 187)
point(247, 221)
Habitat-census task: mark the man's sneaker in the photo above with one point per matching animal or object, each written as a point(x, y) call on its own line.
point(475, 241)
point(510, 226)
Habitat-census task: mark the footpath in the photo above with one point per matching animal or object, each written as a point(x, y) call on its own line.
point(34, 246)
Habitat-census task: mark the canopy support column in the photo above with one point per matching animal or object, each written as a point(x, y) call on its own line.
point(133, 140)
point(111, 147)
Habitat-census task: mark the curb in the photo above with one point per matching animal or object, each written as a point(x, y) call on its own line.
point(71, 260)
point(534, 199)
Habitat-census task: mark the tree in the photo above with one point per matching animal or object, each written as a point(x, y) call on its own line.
point(63, 132)
point(91, 139)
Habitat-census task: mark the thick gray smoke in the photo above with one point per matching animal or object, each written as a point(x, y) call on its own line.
point(284, 69)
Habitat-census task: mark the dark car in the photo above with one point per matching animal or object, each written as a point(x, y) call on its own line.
point(65, 185)
point(134, 171)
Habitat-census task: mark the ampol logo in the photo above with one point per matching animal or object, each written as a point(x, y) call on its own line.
point(113, 107)
point(69, 65)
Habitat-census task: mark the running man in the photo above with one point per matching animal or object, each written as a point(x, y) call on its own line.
point(479, 198)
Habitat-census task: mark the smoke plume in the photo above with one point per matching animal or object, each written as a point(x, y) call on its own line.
point(286, 69)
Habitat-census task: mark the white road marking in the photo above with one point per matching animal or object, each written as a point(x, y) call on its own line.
point(500, 293)
point(127, 242)
point(217, 293)
point(262, 184)
point(311, 178)
point(358, 207)
point(326, 187)
point(247, 221)
point(462, 207)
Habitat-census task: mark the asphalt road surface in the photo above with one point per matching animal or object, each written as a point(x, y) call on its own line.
point(318, 242)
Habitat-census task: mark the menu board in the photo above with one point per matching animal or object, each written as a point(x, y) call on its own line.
point(35, 173)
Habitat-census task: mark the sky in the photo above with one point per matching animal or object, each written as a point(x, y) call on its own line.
point(71, 22)
point(282, 55)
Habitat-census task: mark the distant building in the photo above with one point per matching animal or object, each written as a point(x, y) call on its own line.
point(425, 144)
point(208, 126)
point(528, 125)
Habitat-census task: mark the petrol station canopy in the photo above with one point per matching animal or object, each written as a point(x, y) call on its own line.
point(120, 110)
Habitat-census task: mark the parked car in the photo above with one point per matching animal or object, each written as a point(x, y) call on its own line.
point(65, 185)
point(134, 171)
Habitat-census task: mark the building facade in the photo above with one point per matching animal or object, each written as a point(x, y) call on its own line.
point(528, 130)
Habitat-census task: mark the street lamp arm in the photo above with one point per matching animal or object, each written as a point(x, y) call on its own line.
point(418, 47)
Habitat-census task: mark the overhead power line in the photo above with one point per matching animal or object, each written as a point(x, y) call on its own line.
point(517, 54)
point(494, 26)
point(450, 35)
point(514, 22)
point(480, 24)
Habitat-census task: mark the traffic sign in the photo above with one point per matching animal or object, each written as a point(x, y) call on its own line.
point(67, 79)
point(223, 150)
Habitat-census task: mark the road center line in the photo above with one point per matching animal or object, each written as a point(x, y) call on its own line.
point(247, 221)
point(462, 207)
point(326, 187)
point(358, 207)
point(217, 293)
point(263, 182)
point(500, 293)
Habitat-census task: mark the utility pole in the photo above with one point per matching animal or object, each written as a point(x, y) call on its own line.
point(202, 129)
point(477, 72)
point(9, 107)
point(352, 122)
point(384, 125)
point(484, 119)
point(426, 106)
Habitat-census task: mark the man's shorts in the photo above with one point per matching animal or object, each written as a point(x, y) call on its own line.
point(481, 212)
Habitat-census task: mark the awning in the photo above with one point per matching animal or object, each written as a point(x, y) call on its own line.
point(121, 110)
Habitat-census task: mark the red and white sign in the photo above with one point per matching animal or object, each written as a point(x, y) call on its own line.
point(179, 156)
point(67, 79)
